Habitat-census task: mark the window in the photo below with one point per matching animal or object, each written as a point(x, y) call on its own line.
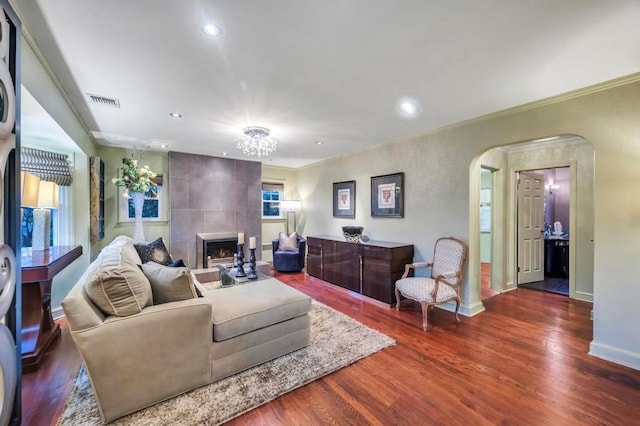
point(271, 198)
point(152, 210)
point(60, 232)
point(49, 167)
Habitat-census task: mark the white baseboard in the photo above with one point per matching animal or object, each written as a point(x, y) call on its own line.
point(57, 313)
point(615, 355)
point(585, 297)
point(465, 310)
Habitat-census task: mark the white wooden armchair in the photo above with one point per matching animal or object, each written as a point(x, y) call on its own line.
point(444, 282)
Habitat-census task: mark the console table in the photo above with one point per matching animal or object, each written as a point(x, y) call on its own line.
point(370, 268)
point(39, 330)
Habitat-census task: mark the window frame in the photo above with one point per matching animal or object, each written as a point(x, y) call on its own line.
point(123, 207)
point(271, 187)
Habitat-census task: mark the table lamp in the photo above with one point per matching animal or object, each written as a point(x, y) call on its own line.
point(30, 186)
point(47, 200)
point(289, 207)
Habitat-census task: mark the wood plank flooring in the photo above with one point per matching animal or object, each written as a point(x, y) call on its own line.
point(524, 361)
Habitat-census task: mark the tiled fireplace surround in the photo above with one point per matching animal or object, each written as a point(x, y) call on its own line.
point(212, 195)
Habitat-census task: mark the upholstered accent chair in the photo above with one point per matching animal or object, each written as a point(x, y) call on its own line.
point(444, 282)
point(289, 256)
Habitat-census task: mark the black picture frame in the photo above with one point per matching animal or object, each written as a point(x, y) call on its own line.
point(387, 195)
point(344, 199)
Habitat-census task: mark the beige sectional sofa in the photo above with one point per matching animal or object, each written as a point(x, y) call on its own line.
point(137, 354)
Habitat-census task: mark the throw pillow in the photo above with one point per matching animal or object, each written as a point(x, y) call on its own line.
point(154, 252)
point(177, 264)
point(289, 243)
point(119, 288)
point(169, 284)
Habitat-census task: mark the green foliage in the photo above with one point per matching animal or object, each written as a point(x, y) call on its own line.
point(136, 179)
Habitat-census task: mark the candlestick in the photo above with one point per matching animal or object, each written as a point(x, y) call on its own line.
point(241, 238)
point(240, 272)
point(252, 275)
point(252, 243)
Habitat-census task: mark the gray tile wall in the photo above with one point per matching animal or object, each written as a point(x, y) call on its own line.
point(210, 195)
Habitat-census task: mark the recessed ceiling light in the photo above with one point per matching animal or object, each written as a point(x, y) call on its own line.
point(224, 154)
point(212, 30)
point(407, 107)
point(175, 114)
point(318, 142)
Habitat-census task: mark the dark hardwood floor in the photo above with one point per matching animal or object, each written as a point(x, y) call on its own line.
point(485, 282)
point(523, 361)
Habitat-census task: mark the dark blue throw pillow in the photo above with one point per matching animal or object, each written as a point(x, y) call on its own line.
point(178, 263)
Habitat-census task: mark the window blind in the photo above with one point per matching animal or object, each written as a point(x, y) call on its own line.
point(272, 187)
point(49, 166)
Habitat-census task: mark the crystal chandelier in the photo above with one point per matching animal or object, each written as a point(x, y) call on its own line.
point(256, 141)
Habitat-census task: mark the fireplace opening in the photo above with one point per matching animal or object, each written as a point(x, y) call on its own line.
point(218, 251)
point(215, 248)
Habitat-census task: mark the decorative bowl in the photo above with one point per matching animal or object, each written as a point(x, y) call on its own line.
point(352, 234)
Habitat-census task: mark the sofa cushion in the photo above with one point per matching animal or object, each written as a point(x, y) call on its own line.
point(169, 284)
point(288, 243)
point(122, 247)
point(118, 287)
point(155, 251)
point(243, 308)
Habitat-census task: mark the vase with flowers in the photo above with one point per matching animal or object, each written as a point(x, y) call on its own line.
point(138, 182)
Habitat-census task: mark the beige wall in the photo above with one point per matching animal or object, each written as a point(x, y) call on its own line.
point(438, 197)
point(272, 227)
point(112, 157)
point(43, 89)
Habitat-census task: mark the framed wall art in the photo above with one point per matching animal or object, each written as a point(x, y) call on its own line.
point(344, 199)
point(387, 195)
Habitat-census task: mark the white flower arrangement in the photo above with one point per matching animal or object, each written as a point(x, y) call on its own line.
point(136, 179)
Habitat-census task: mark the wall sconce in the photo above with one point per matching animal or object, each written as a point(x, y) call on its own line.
point(47, 200)
point(290, 207)
point(551, 187)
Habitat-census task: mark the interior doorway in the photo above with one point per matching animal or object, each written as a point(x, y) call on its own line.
point(486, 232)
point(543, 229)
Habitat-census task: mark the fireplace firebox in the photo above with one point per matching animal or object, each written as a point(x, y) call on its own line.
point(215, 248)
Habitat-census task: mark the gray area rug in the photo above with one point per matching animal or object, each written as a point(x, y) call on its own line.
point(336, 341)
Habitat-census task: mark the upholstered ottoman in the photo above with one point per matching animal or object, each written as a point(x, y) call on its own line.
point(256, 322)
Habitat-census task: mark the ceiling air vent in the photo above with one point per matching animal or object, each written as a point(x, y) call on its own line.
point(103, 100)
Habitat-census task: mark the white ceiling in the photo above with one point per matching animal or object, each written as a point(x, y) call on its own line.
point(320, 70)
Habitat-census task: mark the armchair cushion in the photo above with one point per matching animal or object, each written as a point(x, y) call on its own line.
point(421, 289)
point(288, 243)
point(169, 284)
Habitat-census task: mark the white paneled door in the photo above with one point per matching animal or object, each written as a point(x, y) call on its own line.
point(530, 227)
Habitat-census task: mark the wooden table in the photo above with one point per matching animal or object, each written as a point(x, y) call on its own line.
point(39, 330)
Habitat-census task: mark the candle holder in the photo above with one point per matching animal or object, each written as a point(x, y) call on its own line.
point(252, 275)
point(240, 264)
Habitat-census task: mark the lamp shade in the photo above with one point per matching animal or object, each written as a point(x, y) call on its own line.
point(291, 205)
point(30, 185)
point(48, 195)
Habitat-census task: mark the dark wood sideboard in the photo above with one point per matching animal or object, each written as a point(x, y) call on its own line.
point(370, 268)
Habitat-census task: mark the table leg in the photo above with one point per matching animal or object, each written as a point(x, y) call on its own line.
point(39, 330)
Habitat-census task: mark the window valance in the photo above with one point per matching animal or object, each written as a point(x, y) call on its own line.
point(49, 166)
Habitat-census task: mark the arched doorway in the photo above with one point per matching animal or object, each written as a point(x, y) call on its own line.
point(570, 151)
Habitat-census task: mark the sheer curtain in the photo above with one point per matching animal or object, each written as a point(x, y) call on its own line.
point(63, 218)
